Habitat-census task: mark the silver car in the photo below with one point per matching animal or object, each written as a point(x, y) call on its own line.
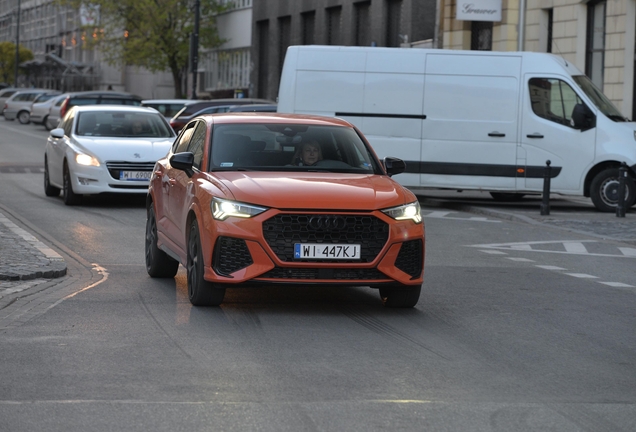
point(5, 94)
point(19, 105)
point(42, 105)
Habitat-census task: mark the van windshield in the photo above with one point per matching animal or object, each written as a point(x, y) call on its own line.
point(600, 100)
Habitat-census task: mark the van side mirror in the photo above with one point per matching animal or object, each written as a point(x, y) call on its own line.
point(583, 118)
point(184, 162)
point(394, 166)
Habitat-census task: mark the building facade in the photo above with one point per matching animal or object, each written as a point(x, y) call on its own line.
point(598, 36)
point(278, 24)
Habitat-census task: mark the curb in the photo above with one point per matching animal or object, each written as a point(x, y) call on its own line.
point(24, 257)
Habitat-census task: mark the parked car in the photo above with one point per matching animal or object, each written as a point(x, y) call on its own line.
point(254, 108)
point(177, 125)
point(5, 94)
point(19, 104)
point(233, 203)
point(40, 107)
point(104, 149)
point(190, 111)
point(90, 98)
point(167, 107)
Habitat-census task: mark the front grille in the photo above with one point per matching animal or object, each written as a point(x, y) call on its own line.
point(230, 255)
point(409, 259)
point(284, 230)
point(325, 273)
point(116, 166)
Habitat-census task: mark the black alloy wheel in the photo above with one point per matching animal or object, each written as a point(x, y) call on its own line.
point(49, 190)
point(200, 291)
point(158, 263)
point(70, 197)
point(400, 297)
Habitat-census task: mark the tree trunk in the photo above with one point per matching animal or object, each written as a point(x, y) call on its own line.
point(177, 76)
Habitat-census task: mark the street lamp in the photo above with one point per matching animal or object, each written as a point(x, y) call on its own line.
point(17, 47)
point(195, 48)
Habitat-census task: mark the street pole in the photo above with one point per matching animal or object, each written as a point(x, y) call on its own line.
point(17, 47)
point(195, 49)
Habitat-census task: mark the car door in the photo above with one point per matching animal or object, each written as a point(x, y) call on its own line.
point(57, 151)
point(548, 133)
point(172, 177)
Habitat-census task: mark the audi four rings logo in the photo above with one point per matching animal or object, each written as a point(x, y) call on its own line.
point(327, 222)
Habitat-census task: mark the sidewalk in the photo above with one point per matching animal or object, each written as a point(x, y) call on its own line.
point(23, 257)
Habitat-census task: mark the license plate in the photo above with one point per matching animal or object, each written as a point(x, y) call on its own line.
point(326, 251)
point(135, 175)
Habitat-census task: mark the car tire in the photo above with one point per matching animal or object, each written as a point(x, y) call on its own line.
point(604, 190)
point(24, 117)
point(45, 122)
point(200, 291)
point(400, 297)
point(158, 263)
point(49, 190)
point(506, 196)
point(70, 197)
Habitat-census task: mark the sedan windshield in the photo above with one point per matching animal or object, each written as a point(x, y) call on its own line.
point(600, 100)
point(290, 147)
point(123, 124)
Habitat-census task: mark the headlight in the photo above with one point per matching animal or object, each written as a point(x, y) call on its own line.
point(84, 159)
point(405, 212)
point(223, 209)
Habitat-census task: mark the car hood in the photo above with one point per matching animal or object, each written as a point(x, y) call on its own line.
point(331, 191)
point(126, 149)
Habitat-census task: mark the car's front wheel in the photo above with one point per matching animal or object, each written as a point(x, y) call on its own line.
point(70, 197)
point(49, 190)
point(400, 297)
point(158, 263)
point(200, 291)
point(24, 117)
point(604, 190)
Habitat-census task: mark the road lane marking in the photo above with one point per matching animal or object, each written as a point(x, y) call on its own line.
point(630, 252)
point(494, 252)
point(575, 248)
point(617, 284)
point(444, 215)
point(582, 275)
point(550, 267)
point(520, 259)
point(570, 247)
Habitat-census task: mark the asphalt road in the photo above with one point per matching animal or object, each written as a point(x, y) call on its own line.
point(521, 327)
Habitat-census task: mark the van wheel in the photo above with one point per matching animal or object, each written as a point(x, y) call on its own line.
point(604, 190)
point(70, 197)
point(24, 117)
point(49, 189)
point(506, 196)
point(200, 291)
point(400, 297)
point(158, 263)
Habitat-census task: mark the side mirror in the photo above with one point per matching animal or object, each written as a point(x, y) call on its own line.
point(583, 118)
point(394, 166)
point(184, 162)
point(57, 133)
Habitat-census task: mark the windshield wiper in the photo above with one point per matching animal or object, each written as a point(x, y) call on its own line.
point(617, 118)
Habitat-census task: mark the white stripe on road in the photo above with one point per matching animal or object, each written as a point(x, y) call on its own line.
point(582, 275)
point(617, 284)
point(549, 267)
point(520, 259)
point(575, 247)
point(630, 252)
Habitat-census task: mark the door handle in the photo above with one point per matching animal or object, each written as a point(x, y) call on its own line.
point(534, 135)
point(497, 134)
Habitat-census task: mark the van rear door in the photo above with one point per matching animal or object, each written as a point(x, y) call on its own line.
point(470, 133)
point(548, 133)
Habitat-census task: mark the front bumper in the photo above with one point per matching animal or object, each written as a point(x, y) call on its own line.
point(246, 252)
point(90, 180)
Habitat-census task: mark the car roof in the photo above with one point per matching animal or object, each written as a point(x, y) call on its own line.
point(163, 101)
point(105, 93)
point(106, 107)
point(273, 118)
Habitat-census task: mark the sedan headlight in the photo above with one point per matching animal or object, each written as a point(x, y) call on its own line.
point(84, 159)
point(405, 212)
point(223, 209)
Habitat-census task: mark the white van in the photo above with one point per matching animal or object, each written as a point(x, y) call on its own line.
point(471, 120)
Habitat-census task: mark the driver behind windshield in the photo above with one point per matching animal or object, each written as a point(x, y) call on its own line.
point(308, 154)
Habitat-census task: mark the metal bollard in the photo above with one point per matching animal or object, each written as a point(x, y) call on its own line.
point(545, 203)
point(622, 178)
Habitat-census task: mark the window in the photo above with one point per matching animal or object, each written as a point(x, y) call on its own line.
point(553, 100)
point(595, 56)
point(284, 38)
point(393, 16)
point(309, 27)
point(182, 142)
point(197, 143)
point(481, 36)
point(263, 56)
point(362, 23)
point(549, 24)
point(333, 25)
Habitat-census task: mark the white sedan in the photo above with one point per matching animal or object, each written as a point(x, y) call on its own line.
point(104, 149)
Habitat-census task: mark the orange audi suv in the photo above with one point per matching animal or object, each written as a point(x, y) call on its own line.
point(244, 199)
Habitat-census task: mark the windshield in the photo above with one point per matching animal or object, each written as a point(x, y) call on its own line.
point(600, 100)
point(123, 124)
point(290, 147)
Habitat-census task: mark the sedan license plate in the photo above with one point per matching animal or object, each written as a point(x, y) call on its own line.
point(326, 251)
point(135, 175)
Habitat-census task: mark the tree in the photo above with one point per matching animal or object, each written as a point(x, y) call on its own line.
point(7, 60)
point(154, 34)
